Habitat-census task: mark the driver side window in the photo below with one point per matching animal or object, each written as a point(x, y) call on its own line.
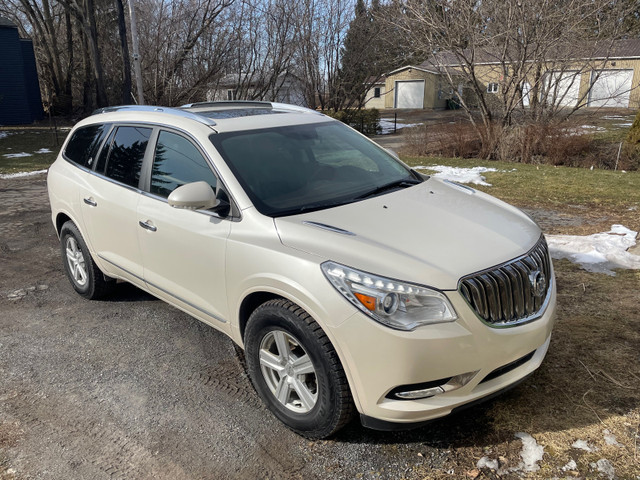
point(177, 161)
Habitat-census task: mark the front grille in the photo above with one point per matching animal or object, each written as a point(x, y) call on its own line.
point(514, 292)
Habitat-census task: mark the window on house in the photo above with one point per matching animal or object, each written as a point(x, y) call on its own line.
point(376, 92)
point(231, 94)
point(492, 88)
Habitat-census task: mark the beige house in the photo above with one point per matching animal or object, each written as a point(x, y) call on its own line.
point(376, 95)
point(606, 81)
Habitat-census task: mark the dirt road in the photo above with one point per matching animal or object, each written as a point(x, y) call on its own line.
point(133, 388)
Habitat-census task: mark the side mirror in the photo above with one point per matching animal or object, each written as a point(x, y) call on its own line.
point(193, 196)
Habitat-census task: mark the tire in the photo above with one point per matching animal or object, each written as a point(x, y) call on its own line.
point(85, 277)
point(308, 391)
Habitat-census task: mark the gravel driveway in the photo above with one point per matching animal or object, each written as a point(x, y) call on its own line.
point(133, 388)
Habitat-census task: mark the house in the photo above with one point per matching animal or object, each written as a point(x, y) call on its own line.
point(376, 94)
point(609, 77)
point(288, 88)
point(20, 100)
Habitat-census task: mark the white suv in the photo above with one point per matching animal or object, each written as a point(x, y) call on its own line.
point(351, 281)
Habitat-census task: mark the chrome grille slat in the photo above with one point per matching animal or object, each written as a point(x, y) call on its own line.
point(506, 294)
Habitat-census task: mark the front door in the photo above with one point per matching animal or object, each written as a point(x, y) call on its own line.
point(183, 250)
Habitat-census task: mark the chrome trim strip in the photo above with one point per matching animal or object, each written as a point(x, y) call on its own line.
point(329, 228)
point(208, 314)
point(148, 108)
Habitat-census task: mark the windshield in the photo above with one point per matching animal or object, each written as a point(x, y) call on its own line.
point(301, 168)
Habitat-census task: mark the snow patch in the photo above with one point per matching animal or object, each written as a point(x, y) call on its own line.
point(7, 176)
point(610, 439)
point(600, 252)
point(459, 174)
point(584, 130)
point(572, 465)
point(582, 445)
point(486, 462)
point(604, 466)
point(386, 126)
point(4, 135)
point(43, 150)
point(17, 155)
point(531, 452)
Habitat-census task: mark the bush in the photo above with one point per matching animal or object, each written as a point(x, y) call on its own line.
point(555, 144)
point(448, 140)
point(365, 121)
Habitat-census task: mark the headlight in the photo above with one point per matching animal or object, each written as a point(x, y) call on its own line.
point(399, 305)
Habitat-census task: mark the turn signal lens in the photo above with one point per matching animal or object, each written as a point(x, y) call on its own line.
point(367, 301)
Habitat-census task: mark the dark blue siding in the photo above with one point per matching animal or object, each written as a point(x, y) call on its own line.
point(31, 80)
point(19, 91)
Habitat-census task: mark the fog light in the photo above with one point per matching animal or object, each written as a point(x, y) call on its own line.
point(416, 394)
point(418, 391)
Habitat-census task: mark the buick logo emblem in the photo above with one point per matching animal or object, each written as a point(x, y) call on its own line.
point(538, 283)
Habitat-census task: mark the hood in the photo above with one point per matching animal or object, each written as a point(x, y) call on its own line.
point(432, 234)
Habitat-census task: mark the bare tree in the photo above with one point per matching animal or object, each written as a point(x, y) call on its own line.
point(535, 50)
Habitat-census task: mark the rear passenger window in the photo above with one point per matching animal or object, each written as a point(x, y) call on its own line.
point(177, 161)
point(84, 144)
point(126, 154)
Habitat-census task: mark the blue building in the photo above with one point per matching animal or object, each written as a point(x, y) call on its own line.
point(20, 100)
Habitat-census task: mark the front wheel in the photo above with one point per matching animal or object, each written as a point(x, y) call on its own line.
point(85, 276)
point(296, 371)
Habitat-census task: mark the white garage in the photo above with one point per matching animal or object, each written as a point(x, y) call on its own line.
point(562, 88)
point(610, 88)
point(409, 94)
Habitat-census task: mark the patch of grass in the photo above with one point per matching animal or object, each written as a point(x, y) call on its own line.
point(16, 141)
point(612, 196)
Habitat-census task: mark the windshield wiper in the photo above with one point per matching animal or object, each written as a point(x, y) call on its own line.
point(404, 183)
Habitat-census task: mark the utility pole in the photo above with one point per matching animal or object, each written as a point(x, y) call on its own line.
point(136, 52)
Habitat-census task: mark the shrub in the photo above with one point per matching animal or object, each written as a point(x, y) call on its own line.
point(449, 140)
point(366, 121)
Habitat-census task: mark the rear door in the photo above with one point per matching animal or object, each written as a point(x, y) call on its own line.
point(183, 251)
point(110, 198)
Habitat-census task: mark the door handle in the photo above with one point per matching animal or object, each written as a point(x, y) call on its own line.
point(91, 202)
point(148, 225)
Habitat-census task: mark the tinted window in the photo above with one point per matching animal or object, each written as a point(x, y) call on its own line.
point(177, 161)
point(84, 144)
point(126, 155)
point(298, 168)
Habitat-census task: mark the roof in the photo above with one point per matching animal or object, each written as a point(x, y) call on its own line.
point(617, 49)
point(5, 22)
point(422, 67)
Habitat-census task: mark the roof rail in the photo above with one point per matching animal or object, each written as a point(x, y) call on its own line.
point(229, 104)
point(283, 107)
point(149, 108)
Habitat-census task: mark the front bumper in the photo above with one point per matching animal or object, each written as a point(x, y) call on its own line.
point(378, 359)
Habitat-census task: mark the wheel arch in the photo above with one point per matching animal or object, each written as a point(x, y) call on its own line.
point(61, 219)
point(257, 297)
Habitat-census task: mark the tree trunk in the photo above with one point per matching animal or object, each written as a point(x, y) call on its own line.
point(126, 64)
point(92, 30)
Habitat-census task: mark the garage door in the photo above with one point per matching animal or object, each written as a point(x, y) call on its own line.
point(410, 94)
point(562, 88)
point(610, 88)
